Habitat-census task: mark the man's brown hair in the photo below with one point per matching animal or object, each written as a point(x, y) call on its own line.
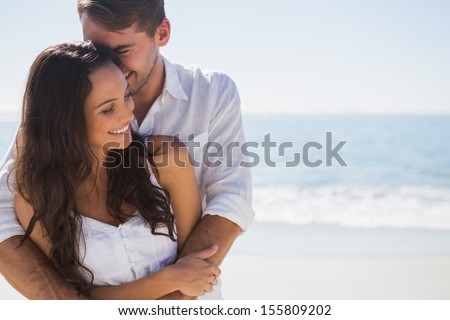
point(116, 15)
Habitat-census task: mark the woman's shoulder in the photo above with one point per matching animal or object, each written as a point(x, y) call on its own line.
point(170, 149)
point(170, 156)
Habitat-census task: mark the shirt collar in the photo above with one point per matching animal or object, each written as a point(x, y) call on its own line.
point(173, 84)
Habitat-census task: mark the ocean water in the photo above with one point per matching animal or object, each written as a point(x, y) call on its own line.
point(397, 173)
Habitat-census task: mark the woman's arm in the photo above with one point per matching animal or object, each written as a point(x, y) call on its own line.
point(192, 275)
point(176, 175)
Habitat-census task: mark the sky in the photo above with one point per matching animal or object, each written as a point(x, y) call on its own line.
point(286, 56)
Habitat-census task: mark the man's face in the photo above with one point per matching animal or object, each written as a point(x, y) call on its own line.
point(136, 49)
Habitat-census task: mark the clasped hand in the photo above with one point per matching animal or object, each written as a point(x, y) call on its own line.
point(195, 275)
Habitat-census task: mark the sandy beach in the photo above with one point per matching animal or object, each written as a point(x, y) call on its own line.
point(285, 262)
point(276, 261)
point(325, 278)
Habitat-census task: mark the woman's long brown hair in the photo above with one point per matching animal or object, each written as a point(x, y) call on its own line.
point(53, 156)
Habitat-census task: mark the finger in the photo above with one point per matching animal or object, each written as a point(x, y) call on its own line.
point(214, 281)
point(201, 294)
point(216, 271)
point(209, 288)
point(206, 253)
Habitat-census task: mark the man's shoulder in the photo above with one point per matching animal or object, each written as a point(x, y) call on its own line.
point(195, 73)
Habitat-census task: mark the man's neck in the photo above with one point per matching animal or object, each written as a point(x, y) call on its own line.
point(144, 99)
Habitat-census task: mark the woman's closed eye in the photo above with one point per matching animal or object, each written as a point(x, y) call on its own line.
point(108, 110)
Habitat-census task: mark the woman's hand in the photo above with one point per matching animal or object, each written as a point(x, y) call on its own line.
point(192, 275)
point(195, 275)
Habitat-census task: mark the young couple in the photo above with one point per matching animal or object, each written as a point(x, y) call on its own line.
point(95, 181)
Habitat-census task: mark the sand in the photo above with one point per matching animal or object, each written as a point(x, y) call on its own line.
point(324, 278)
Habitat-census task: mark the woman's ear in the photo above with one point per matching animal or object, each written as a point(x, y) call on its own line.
point(162, 35)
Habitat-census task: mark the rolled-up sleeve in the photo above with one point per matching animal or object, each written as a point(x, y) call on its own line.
point(228, 186)
point(9, 225)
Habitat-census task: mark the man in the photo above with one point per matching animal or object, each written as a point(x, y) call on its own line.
point(170, 99)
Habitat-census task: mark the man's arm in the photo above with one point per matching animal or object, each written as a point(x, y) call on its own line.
point(210, 230)
point(31, 273)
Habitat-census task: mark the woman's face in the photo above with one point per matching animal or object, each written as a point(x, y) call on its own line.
point(109, 111)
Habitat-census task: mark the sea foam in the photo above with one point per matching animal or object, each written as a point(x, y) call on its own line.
point(408, 207)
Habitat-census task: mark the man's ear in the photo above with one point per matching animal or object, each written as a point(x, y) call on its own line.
point(162, 35)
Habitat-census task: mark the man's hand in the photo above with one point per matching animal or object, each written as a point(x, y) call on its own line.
point(210, 230)
point(31, 273)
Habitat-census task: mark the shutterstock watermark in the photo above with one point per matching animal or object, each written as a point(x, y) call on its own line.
point(248, 154)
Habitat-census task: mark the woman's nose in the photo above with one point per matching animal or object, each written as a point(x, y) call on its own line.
point(127, 114)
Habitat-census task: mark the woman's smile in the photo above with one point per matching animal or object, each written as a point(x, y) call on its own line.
point(121, 131)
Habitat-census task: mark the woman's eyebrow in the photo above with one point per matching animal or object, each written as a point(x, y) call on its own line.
point(105, 102)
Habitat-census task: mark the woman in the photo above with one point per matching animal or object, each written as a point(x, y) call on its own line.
point(86, 188)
